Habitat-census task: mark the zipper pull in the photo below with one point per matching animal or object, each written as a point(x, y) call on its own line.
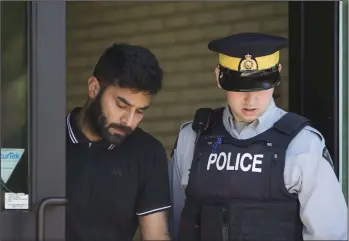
point(215, 145)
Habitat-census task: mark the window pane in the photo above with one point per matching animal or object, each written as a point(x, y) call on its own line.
point(14, 107)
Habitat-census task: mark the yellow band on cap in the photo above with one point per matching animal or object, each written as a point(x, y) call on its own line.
point(264, 62)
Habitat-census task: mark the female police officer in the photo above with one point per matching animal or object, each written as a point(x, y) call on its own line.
point(251, 171)
point(117, 173)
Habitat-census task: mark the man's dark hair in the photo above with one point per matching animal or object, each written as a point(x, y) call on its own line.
point(129, 66)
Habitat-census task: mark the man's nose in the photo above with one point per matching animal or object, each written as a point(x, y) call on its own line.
point(127, 119)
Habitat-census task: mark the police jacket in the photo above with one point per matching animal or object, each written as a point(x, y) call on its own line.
point(254, 188)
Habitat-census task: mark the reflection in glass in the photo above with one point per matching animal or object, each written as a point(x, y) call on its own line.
point(14, 89)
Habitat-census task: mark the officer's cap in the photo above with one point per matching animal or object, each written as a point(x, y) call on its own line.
point(248, 61)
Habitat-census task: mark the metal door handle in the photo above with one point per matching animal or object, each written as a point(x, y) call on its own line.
point(51, 201)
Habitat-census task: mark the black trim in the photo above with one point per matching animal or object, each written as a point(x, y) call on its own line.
point(250, 80)
point(314, 67)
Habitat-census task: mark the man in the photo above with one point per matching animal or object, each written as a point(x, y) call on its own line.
point(117, 173)
point(250, 170)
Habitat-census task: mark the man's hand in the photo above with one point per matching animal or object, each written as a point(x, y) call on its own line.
point(154, 226)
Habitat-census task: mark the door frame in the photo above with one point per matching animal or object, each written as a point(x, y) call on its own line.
point(47, 109)
point(347, 56)
point(343, 95)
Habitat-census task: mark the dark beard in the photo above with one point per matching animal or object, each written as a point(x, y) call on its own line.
point(98, 123)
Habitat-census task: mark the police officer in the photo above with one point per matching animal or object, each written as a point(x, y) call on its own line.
point(117, 176)
point(250, 170)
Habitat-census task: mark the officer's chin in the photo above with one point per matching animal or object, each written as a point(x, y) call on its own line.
point(248, 119)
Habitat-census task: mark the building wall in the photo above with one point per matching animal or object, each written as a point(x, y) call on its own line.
point(178, 33)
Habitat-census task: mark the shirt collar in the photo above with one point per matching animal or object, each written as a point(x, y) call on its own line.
point(260, 123)
point(75, 134)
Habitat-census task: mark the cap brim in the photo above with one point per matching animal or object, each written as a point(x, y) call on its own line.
point(238, 83)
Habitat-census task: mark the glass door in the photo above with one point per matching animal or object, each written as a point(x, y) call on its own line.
point(32, 130)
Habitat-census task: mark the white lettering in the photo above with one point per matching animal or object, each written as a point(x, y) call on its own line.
point(220, 167)
point(237, 162)
point(223, 161)
point(229, 167)
point(243, 168)
point(257, 161)
point(212, 159)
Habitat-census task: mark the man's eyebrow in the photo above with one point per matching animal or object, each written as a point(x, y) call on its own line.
point(125, 101)
point(144, 108)
point(128, 103)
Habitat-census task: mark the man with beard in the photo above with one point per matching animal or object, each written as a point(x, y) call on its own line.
point(117, 176)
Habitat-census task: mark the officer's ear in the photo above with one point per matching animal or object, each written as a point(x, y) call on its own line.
point(217, 71)
point(93, 87)
point(280, 67)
